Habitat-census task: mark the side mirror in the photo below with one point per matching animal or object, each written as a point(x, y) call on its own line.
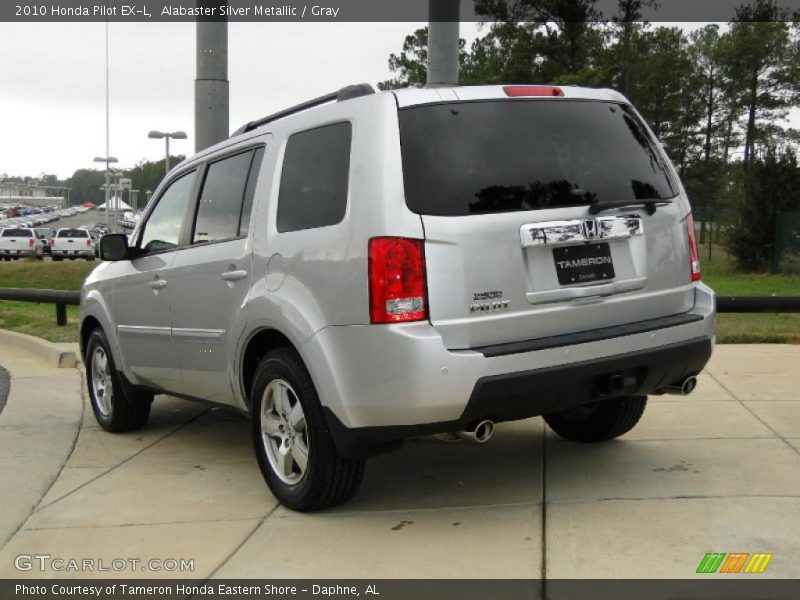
point(114, 246)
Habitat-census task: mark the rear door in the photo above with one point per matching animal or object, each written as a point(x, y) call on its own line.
point(513, 252)
point(211, 276)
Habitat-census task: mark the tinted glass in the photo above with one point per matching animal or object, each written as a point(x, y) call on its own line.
point(247, 208)
point(73, 233)
point(16, 233)
point(163, 228)
point(490, 157)
point(314, 178)
point(221, 200)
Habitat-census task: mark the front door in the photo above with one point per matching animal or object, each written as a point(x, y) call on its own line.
point(142, 294)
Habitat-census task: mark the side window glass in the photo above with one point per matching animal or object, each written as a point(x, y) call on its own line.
point(220, 207)
point(316, 167)
point(163, 228)
point(247, 207)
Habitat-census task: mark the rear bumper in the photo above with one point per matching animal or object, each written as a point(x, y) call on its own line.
point(76, 253)
point(537, 392)
point(383, 383)
point(18, 253)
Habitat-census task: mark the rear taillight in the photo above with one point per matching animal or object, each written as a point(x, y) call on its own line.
point(397, 287)
point(694, 253)
point(515, 91)
point(89, 242)
point(30, 242)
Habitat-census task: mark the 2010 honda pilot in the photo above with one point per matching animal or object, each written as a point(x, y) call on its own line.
point(366, 267)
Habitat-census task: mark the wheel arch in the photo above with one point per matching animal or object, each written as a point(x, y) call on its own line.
point(260, 342)
point(88, 325)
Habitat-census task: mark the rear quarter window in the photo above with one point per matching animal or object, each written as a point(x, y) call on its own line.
point(314, 179)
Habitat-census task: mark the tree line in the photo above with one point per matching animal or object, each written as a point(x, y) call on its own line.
point(717, 97)
point(87, 184)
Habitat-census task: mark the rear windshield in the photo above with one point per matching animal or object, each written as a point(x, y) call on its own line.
point(17, 233)
point(501, 156)
point(72, 233)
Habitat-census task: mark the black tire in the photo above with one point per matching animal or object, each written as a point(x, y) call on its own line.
point(599, 421)
point(328, 478)
point(128, 408)
point(57, 259)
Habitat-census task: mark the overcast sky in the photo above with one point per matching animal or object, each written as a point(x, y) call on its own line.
point(52, 82)
point(52, 86)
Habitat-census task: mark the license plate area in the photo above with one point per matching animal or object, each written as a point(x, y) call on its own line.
point(585, 263)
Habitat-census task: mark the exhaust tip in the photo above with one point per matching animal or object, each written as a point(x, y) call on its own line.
point(681, 388)
point(483, 431)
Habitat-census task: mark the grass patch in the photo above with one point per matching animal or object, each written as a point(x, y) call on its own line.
point(733, 328)
point(40, 319)
point(65, 275)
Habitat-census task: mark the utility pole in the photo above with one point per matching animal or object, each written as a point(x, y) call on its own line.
point(211, 94)
point(443, 25)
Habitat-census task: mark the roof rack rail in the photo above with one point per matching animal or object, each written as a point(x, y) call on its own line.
point(346, 93)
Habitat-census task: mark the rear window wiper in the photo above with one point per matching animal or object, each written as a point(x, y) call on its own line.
point(650, 205)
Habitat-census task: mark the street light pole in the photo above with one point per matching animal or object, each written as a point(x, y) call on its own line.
point(175, 135)
point(108, 160)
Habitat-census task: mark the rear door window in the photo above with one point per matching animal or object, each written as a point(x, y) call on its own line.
point(314, 179)
point(219, 211)
point(252, 180)
point(516, 155)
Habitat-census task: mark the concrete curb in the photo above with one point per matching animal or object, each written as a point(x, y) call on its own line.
point(52, 354)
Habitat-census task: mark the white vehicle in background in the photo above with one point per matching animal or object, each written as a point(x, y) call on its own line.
point(72, 243)
point(19, 242)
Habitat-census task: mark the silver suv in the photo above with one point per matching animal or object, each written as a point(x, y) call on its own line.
point(367, 267)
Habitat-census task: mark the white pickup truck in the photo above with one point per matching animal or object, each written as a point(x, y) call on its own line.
point(19, 242)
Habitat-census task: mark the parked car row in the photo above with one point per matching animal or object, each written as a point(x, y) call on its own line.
point(30, 216)
point(66, 243)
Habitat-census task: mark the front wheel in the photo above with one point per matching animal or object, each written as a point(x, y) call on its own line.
point(598, 421)
point(117, 405)
point(294, 449)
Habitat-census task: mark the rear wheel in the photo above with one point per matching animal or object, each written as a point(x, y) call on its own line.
point(56, 259)
point(598, 421)
point(117, 405)
point(295, 451)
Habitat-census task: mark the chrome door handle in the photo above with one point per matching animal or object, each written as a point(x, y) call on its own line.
point(234, 275)
point(158, 284)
